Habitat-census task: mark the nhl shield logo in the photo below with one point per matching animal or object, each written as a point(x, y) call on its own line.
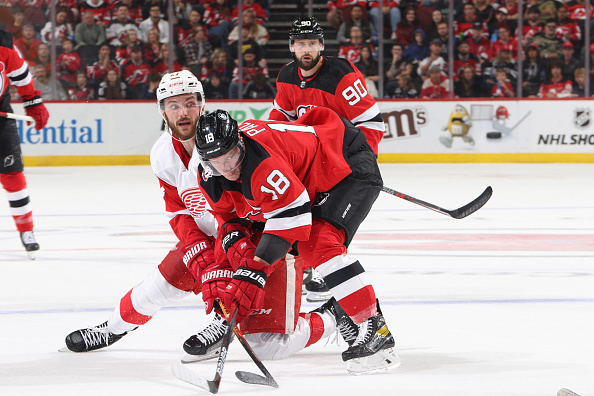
point(582, 118)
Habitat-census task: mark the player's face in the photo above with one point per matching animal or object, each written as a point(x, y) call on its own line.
point(229, 164)
point(307, 53)
point(182, 113)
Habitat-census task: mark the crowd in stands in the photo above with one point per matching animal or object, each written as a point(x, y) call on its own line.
point(119, 49)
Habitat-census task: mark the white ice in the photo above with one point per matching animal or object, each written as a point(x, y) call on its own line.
point(500, 303)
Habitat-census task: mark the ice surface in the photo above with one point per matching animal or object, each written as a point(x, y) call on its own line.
point(500, 303)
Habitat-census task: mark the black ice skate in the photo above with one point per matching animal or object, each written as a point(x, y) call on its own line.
point(30, 244)
point(347, 329)
point(206, 344)
point(373, 350)
point(316, 288)
point(91, 338)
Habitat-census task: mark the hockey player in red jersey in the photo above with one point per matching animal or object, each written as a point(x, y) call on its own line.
point(181, 102)
point(15, 71)
point(313, 79)
point(311, 183)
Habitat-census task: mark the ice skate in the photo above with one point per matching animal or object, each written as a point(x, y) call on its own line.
point(316, 288)
point(91, 338)
point(347, 329)
point(207, 342)
point(30, 244)
point(373, 350)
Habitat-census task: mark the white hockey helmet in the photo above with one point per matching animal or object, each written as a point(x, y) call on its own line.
point(179, 83)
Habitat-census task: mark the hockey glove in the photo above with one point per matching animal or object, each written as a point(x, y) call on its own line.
point(35, 108)
point(237, 243)
point(199, 256)
point(246, 289)
point(215, 279)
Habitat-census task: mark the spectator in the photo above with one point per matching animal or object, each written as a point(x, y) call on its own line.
point(147, 4)
point(579, 88)
point(44, 85)
point(62, 30)
point(570, 63)
point(250, 68)
point(504, 61)
point(123, 52)
point(555, 86)
point(390, 12)
point(197, 51)
point(117, 29)
point(434, 59)
point(577, 11)
point(533, 71)
point(135, 73)
point(510, 15)
point(16, 27)
point(162, 65)
point(185, 30)
point(548, 43)
point(339, 10)
point(368, 66)
point(436, 18)
point(152, 48)
point(28, 44)
point(367, 29)
point(89, 35)
point(436, 86)
point(34, 13)
point(246, 44)
point(68, 63)
point(217, 17)
point(351, 49)
point(502, 88)
point(397, 66)
point(406, 27)
point(405, 89)
point(485, 14)
point(43, 58)
point(261, 16)
point(259, 88)
point(500, 21)
point(417, 51)
point(112, 88)
point(98, 70)
point(567, 30)
point(219, 64)
point(464, 58)
point(154, 21)
point(443, 34)
point(181, 12)
point(98, 8)
point(469, 85)
point(149, 90)
point(479, 44)
point(82, 90)
point(532, 24)
point(215, 88)
point(256, 32)
point(466, 22)
point(505, 41)
point(548, 9)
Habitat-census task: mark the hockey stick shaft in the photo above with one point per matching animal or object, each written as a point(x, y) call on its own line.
point(459, 213)
point(17, 116)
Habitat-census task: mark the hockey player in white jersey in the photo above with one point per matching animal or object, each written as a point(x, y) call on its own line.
point(181, 102)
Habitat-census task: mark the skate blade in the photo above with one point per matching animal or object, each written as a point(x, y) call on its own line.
point(381, 361)
point(318, 297)
point(187, 358)
point(65, 349)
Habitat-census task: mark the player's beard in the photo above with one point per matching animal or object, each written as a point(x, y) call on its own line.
point(177, 131)
point(308, 65)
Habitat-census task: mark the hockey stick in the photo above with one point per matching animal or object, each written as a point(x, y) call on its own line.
point(459, 213)
point(187, 375)
point(17, 116)
point(246, 376)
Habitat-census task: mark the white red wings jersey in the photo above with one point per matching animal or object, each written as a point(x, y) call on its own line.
point(185, 204)
point(13, 69)
point(286, 165)
point(339, 85)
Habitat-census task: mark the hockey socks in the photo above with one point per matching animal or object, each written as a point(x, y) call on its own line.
point(15, 185)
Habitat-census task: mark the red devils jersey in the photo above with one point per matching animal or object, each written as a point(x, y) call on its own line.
point(13, 69)
point(285, 166)
point(529, 31)
point(562, 88)
point(97, 71)
point(134, 74)
point(569, 27)
point(338, 85)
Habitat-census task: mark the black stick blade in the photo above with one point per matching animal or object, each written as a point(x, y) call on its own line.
point(473, 206)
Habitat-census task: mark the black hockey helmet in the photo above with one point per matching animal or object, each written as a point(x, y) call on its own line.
point(306, 28)
point(216, 134)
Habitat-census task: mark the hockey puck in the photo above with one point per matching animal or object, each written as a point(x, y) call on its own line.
point(493, 135)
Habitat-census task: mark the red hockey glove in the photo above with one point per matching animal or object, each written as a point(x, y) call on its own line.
point(246, 290)
point(237, 243)
point(215, 279)
point(35, 108)
point(199, 256)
